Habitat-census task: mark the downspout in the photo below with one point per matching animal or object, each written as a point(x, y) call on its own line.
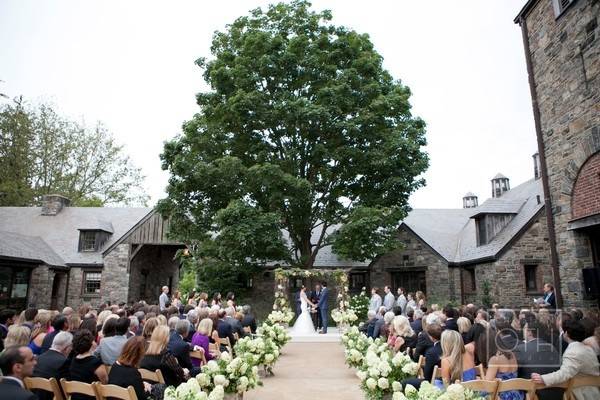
point(544, 169)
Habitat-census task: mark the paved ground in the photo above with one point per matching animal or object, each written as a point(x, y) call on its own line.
point(309, 371)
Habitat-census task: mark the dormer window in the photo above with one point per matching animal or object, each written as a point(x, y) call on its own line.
point(490, 225)
point(87, 241)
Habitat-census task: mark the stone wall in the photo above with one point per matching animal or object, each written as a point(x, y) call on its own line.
point(150, 270)
point(115, 275)
point(586, 193)
point(565, 54)
point(40, 287)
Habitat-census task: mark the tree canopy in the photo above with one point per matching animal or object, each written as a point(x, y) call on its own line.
point(302, 130)
point(42, 152)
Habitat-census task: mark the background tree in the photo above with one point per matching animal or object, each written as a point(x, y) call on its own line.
point(302, 127)
point(42, 152)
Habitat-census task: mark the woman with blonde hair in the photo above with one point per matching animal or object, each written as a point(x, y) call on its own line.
point(18, 335)
point(202, 339)
point(457, 363)
point(149, 327)
point(41, 325)
point(101, 318)
point(464, 328)
point(162, 320)
point(405, 336)
point(157, 357)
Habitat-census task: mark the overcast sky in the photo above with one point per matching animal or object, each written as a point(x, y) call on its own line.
point(131, 65)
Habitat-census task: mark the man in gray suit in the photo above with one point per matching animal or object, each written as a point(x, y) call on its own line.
point(388, 300)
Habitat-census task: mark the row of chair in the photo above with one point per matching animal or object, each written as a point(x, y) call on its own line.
point(96, 389)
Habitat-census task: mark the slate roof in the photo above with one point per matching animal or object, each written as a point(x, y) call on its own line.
point(14, 245)
point(60, 233)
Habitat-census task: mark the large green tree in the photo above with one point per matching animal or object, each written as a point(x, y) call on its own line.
point(302, 130)
point(42, 152)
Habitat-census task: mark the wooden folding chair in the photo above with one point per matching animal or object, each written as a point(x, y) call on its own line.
point(236, 336)
point(525, 385)
point(580, 381)
point(247, 330)
point(48, 385)
point(214, 349)
point(114, 392)
point(225, 342)
point(199, 355)
point(152, 376)
point(420, 365)
point(437, 374)
point(480, 385)
point(71, 387)
point(480, 371)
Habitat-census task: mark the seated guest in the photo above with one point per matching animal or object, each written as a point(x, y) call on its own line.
point(224, 329)
point(432, 355)
point(59, 323)
point(157, 357)
point(503, 365)
point(577, 359)
point(178, 346)
point(464, 328)
point(29, 318)
point(451, 315)
point(18, 335)
point(202, 339)
point(134, 324)
point(506, 332)
point(39, 332)
point(16, 363)
point(54, 363)
point(124, 371)
point(111, 344)
point(192, 317)
point(404, 335)
point(387, 327)
point(378, 322)
point(416, 322)
point(594, 341)
point(236, 326)
point(423, 339)
point(85, 367)
point(457, 364)
point(149, 326)
point(367, 327)
point(248, 320)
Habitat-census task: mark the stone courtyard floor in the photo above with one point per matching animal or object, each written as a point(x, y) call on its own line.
point(313, 371)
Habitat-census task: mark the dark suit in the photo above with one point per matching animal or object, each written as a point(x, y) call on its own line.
point(52, 364)
point(423, 344)
point(323, 308)
point(236, 327)
point(10, 389)
point(377, 327)
point(225, 331)
point(250, 321)
point(417, 326)
point(181, 350)
point(551, 302)
point(451, 325)
point(433, 357)
point(540, 357)
point(316, 317)
point(47, 342)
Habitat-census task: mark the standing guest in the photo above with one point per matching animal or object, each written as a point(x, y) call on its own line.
point(54, 363)
point(176, 300)
point(549, 298)
point(230, 299)
point(124, 371)
point(401, 301)
point(376, 301)
point(203, 300)
point(29, 318)
point(457, 363)
point(388, 300)
point(157, 357)
point(420, 299)
point(424, 339)
point(111, 345)
point(18, 335)
point(216, 300)
point(249, 320)
point(85, 367)
point(202, 339)
point(16, 363)
point(577, 359)
point(67, 311)
point(83, 310)
point(163, 299)
point(178, 346)
point(42, 325)
point(410, 302)
point(503, 365)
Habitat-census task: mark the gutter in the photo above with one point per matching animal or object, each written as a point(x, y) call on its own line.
point(543, 165)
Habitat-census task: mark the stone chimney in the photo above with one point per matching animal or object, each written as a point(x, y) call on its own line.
point(470, 200)
point(52, 204)
point(537, 171)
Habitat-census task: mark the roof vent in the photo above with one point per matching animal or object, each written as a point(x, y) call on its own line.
point(500, 184)
point(470, 200)
point(52, 204)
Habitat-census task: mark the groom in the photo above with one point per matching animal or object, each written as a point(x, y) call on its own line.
point(322, 306)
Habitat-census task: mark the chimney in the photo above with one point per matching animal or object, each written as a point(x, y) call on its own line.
point(52, 204)
point(470, 200)
point(537, 172)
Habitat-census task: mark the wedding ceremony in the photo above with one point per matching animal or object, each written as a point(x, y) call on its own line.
point(296, 199)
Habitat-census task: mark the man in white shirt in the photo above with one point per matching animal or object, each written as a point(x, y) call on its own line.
point(401, 301)
point(376, 301)
point(388, 300)
point(163, 299)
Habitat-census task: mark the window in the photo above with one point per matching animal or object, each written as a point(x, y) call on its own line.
point(405, 257)
point(560, 6)
point(531, 278)
point(91, 282)
point(357, 281)
point(87, 241)
point(481, 232)
point(473, 280)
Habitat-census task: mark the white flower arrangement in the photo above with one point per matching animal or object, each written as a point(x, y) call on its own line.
point(276, 333)
point(280, 317)
point(258, 351)
point(343, 317)
point(430, 392)
point(234, 375)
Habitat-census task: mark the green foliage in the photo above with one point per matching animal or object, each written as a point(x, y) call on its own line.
point(42, 152)
point(218, 276)
point(486, 296)
point(302, 128)
point(360, 305)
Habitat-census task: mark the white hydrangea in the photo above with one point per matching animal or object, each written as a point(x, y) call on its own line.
point(220, 380)
point(371, 383)
point(362, 375)
point(396, 386)
point(383, 383)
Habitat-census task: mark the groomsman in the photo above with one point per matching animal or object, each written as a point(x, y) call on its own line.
point(401, 301)
point(376, 301)
point(389, 300)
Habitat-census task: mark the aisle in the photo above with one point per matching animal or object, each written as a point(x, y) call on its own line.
point(309, 371)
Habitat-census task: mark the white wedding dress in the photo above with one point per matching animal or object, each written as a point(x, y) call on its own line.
point(304, 324)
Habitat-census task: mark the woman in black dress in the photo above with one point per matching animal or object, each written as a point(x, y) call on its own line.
point(86, 367)
point(124, 371)
point(157, 357)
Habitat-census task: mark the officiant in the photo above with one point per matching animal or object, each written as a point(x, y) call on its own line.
point(314, 297)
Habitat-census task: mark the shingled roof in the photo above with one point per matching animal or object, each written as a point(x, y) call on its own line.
point(31, 248)
point(60, 233)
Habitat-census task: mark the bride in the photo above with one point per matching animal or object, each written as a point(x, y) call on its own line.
point(304, 324)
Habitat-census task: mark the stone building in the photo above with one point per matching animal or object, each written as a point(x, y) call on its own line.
point(562, 48)
point(55, 255)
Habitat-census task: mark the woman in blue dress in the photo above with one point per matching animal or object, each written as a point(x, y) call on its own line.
point(457, 363)
point(502, 365)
